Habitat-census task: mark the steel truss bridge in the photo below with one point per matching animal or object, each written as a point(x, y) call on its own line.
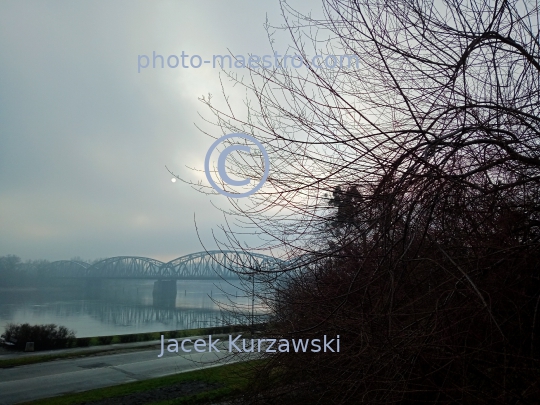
point(208, 265)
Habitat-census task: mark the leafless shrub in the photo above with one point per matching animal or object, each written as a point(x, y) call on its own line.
point(425, 259)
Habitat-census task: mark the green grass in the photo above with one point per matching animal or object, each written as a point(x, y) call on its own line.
point(233, 379)
point(143, 337)
point(106, 340)
point(24, 361)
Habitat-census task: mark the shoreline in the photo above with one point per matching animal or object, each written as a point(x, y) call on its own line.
point(11, 358)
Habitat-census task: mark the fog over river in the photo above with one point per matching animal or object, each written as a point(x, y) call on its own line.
point(125, 306)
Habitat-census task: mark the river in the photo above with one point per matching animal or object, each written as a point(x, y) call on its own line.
point(127, 306)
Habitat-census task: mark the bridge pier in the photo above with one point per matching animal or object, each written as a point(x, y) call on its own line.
point(164, 293)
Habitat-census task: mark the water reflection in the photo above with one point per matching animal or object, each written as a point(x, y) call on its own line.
point(121, 307)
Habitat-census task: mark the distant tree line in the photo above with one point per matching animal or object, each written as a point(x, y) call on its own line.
point(16, 273)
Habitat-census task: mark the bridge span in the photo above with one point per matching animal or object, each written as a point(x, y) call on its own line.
point(207, 265)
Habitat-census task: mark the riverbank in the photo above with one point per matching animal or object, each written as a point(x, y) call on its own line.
point(110, 344)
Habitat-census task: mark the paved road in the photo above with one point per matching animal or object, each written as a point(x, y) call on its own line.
point(26, 383)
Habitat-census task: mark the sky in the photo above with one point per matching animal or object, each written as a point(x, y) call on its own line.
point(85, 137)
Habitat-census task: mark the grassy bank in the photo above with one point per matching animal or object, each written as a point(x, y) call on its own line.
point(230, 381)
point(26, 360)
point(145, 337)
point(113, 339)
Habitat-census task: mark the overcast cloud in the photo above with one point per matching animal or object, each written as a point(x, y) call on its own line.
point(84, 138)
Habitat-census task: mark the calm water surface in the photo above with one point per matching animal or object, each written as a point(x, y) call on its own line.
point(124, 307)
